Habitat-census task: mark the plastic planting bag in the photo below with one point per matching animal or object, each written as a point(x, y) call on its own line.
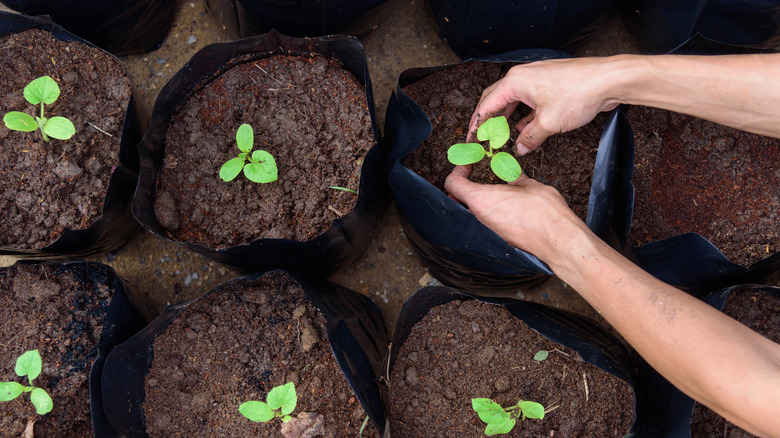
point(458, 249)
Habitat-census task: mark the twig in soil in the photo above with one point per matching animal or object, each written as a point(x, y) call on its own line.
point(365, 422)
point(333, 209)
point(29, 430)
point(266, 73)
point(104, 132)
point(585, 381)
point(549, 409)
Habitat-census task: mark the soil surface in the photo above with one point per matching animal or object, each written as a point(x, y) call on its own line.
point(308, 112)
point(236, 344)
point(49, 187)
point(467, 349)
point(760, 311)
point(449, 97)
point(691, 175)
point(58, 310)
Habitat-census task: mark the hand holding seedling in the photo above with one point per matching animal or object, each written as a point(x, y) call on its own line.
point(496, 131)
point(28, 364)
point(281, 402)
point(43, 90)
point(500, 420)
point(261, 167)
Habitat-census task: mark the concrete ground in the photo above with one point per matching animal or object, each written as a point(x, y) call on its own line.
point(161, 272)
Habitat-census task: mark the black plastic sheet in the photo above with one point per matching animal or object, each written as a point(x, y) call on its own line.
point(122, 27)
point(593, 343)
point(458, 249)
point(348, 236)
point(301, 18)
point(663, 25)
point(476, 29)
point(114, 228)
point(355, 329)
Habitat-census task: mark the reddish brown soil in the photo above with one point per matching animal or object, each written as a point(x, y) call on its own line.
point(449, 96)
point(463, 350)
point(50, 187)
point(59, 311)
point(691, 175)
point(308, 112)
point(234, 345)
point(760, 311)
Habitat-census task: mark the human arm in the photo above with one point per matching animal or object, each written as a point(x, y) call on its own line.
point(741, 91)
point(709, 356)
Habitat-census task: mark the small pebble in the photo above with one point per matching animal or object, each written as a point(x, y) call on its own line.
point(192, 40)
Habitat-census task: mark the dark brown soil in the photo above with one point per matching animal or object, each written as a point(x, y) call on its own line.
point(308, 112)
point(234, 345)
point(760, 311)
point(464, 350)
point(59, 311)
point(449, 97)
point(50, 187)
point(691, 175)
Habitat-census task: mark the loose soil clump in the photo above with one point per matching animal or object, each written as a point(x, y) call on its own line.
point(759, 311)
point(307, 111)
point(449, 97)
point(692, 175)
point(49, 187)
point(234, 345)
point(59, 311)
point(466, 349)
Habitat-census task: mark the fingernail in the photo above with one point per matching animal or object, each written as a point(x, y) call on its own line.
point(522, 150)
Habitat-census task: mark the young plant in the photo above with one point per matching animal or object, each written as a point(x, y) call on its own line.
point(500, 420)
point(261, 167)
point(28, 364)
point(43, 90)
point(281, 402)
point(496, 131)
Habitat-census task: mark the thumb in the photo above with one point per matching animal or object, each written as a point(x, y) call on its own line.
point(458, 185)
point(531, 136)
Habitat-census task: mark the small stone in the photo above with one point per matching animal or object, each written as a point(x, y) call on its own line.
point(501, 384)
point(192, 39)
point(487, 354)
point(411, 376)
point(304, 425)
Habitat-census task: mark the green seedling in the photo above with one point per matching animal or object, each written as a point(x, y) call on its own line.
point(541, 355)
point(28, 364)
point(496, 131)
point(261, 167)
point(43, 90)
point(500, 420)
point(280, 403)
point(343, 189)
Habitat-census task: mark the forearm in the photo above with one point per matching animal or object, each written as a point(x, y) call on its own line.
point(709, 356)
point(741, 91)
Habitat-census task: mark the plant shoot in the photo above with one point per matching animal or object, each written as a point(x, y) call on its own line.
point(495, 131)
point(261, 166)
point(502, 420)
point(43, 90)
point(280, 403)
point(28, 364)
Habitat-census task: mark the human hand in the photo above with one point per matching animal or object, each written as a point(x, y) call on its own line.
point(564, 94)
point(527, 214)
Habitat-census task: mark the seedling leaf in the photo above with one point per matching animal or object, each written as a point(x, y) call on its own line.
point(10, 390)
point(502, 427)
point(245, 137)
point(20, 121)
point(541, 355)
point(531, 409)
point(29, 364)
point(465, 153)
point(262, 169)
point(488, 410)
point(59, 128)
point(257, 411)
point(283, 397)
point(495, 129)
point(43, 89)
point(505, 166)
point(231, 169)
point(41, 400)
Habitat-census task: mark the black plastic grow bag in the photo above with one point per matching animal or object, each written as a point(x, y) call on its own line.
point(652, 394)
point(458, 249)
point(348, 236)
point(122, 27)
point(663, 25)
point(477, 29)
point(114, 228)
point(356, 333)
point(300, 18)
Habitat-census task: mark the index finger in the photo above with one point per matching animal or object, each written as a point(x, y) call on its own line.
point(493, 103)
